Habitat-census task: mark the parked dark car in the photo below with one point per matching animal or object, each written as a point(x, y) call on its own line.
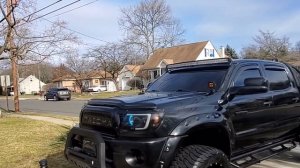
point(217, 113)
point(58, 94)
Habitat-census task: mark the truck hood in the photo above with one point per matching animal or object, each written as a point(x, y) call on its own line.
point(145, 101)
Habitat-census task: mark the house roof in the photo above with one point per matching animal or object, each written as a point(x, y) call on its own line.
point(181, 53)
point(168, 61)
point(88, 75)
point(98, 74)
point(30, 76)
point(133, 68)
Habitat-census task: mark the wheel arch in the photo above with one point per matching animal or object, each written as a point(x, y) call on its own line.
point(209, 134)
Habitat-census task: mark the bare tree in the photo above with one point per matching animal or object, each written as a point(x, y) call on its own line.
point(111, 58)
point(60, 71)
point(21, 42)
point(80, 66)
point(297, 47)
point(267, 46)
point(34, 48)
point(150, 25)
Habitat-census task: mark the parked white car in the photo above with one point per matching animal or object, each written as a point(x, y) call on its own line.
point(100, 88)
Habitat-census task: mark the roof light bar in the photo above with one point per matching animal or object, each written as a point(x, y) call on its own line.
point(201, 62)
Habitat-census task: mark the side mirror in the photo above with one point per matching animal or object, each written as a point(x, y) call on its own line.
point(255, 82)
point(251, 86)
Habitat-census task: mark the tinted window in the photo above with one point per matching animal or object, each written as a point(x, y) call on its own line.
point(249, 73)
point(277, 78)
point(296, 74)
point(188, 80)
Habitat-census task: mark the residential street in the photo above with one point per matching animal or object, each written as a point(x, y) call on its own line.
point(68, 108)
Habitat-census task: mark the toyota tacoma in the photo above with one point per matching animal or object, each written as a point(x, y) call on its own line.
point(216, 113)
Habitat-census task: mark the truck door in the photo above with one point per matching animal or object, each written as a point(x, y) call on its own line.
point(250, 114)
point(285, 99)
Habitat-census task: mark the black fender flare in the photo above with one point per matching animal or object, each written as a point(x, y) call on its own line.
point(215, 119)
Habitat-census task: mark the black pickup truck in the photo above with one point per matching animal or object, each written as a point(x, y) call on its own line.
point(203, 114)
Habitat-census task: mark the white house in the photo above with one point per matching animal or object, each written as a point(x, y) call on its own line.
point(158, 61)
point(127, 73)
point(30, 85)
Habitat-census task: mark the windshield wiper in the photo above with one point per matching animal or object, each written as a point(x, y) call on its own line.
point(182, 90)
point(153, 91)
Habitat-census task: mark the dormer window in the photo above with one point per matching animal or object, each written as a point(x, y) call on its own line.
point(209, 53)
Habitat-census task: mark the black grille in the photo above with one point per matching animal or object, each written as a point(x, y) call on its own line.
point(97, 120)
point(105, 123)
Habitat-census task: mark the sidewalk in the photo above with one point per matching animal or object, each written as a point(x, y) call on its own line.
point(48, 119)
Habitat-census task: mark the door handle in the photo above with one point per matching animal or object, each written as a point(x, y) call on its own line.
point(268, 103)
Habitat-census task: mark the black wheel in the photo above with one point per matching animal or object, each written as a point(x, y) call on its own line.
point(199, 156)
point(68, 99)
point(45, 98)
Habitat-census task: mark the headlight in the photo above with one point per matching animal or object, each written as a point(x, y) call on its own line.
point(141, 121)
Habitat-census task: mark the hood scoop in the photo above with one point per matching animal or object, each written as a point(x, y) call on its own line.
point(121, 104)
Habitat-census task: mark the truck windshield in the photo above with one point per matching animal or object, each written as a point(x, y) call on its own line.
point(193, 80)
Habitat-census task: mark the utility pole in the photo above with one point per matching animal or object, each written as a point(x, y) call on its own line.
point(13, 55)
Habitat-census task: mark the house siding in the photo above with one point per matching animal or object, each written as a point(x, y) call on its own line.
point(203, 54)
point(31, 85)
point(124, 77)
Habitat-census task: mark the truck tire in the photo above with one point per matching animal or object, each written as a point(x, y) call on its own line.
point(199, 156)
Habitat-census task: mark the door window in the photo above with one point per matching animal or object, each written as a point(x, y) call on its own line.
point(278, 79)
point(248, 73)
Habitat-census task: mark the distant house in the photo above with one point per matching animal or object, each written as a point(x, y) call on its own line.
point(30, 85)
point(155, 66)
point(91, 79)
point(66, 81)
point(126, 74)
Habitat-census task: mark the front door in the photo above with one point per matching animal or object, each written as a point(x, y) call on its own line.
point(285, 99)
point(251, 114)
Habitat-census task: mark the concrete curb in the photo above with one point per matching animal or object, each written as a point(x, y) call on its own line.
point(48, 119)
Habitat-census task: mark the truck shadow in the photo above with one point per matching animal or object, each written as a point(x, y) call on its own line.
point(58, 160)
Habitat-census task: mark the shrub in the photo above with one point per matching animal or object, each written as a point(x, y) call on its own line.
point(135, 83)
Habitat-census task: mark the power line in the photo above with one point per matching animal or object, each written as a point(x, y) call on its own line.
point(77, 32)
point(55, 10)
point(48, 12)
point(75, 8)
point(42, 9)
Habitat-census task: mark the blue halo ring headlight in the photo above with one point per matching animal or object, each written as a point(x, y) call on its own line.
point(137, 121)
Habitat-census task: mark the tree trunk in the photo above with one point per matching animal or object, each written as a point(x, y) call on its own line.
point(15, 76)
point(116, 83)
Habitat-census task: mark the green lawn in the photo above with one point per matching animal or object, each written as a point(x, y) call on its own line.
point(103, 95)
point(23, 142)
point(86, 95)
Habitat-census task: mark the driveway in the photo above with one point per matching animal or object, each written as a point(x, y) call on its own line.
point(289, 159)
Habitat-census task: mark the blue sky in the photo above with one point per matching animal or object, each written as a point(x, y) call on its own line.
point(233, 22)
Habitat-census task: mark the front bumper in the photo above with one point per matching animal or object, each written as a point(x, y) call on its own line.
point(121, 153)
point(74, 153)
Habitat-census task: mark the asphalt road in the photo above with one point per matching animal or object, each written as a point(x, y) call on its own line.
point(68, 108)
